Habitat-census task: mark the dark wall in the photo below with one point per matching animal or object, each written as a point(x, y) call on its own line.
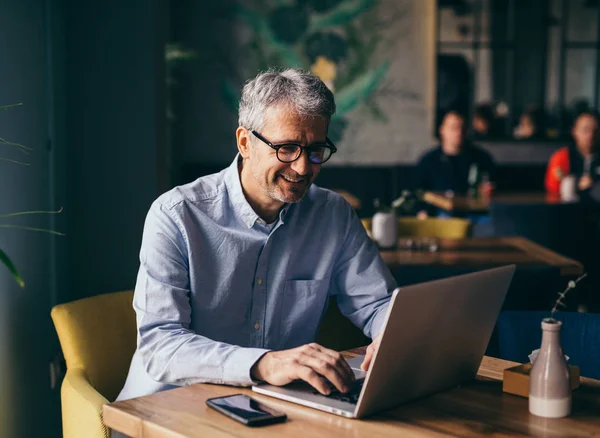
point(204, 129)
point(28, 406)
point(531, 32)
point(116, 121)
point(91, 79)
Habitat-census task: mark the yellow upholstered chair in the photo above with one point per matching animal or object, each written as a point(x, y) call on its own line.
point(441, 228)
point(98, 339)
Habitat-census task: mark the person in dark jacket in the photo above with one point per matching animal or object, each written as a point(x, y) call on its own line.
point(456, 163)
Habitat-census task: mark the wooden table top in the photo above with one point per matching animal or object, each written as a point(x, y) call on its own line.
point(465, 204)
point(476, 409)
point(484, 252)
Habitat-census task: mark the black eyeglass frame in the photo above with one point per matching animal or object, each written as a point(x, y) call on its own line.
point(328, 143)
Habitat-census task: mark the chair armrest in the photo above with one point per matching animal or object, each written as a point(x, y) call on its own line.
point(81, 407)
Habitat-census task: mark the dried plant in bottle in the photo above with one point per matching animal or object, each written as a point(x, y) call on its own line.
point(561, 296)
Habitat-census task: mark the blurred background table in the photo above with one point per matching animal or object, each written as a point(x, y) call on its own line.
point(539, 275)
point(467, 204)
point(483, 253)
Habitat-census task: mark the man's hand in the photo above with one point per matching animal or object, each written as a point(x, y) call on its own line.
point(422, 215)
point(585, 182)
point(371, 349)
point(312, 363)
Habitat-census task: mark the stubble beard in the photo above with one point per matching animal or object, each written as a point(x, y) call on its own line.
point(274, 191)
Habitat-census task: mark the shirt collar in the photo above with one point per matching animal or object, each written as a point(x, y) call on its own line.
point(238, 200)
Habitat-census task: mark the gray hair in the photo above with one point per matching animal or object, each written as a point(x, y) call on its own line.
point(302, 91)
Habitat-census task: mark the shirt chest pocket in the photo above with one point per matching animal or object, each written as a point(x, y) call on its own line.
point(302, 306)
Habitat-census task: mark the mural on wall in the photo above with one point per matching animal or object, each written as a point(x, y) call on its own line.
point(360, 48)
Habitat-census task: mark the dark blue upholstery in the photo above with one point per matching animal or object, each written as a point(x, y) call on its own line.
point(519, 333)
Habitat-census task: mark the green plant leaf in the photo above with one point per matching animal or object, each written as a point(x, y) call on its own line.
point(4, 107)
point(261, 27)
point(11, 268)
point(377, 112)
point(24, 149)
point(176, 52)
point(22, 213)
point(361, 49)
point(21, 227)
point(342, 14)
point(359, 90)
point(22, 163)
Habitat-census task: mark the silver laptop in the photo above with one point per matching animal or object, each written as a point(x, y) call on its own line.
point(434, 338)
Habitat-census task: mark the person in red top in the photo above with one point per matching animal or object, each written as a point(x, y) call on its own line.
point(581, 158)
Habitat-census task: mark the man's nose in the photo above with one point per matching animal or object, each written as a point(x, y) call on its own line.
point(301, 166)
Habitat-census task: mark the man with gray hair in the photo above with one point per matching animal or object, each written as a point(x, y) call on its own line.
point(237, 267)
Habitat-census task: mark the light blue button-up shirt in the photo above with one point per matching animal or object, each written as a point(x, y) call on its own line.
point(218, 287)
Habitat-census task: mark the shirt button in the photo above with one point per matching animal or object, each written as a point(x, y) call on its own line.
point(259, 281)
point(257, 325)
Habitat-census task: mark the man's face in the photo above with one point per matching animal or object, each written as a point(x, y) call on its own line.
point(585, 134)
point(452, 132)
point(285, 182)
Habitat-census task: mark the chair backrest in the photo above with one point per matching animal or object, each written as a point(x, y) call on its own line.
point(336, 332)
point(519, 333)
point(441, 228)
point(98, 335)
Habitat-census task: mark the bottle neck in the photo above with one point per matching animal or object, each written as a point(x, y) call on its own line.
point(551, 341)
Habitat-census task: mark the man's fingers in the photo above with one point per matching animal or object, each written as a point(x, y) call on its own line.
point(339, 362)
point(311, 377)
point(322, 366)
point(365, 365)
point(368, 356)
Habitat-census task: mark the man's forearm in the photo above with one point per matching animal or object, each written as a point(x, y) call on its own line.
point(187, 358)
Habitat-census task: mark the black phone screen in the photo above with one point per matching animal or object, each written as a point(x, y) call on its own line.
point(244, 407)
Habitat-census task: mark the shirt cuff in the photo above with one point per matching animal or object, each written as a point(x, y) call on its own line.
point(378, 321)
point(236, 370)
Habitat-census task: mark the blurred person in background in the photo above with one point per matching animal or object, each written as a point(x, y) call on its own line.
point(530, 125)
point(580, 160)
point(483, 122)
point(451, 166)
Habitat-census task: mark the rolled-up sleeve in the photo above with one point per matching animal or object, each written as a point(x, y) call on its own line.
point(170, 351)
point(362, 281)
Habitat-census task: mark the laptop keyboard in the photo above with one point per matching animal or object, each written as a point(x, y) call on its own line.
point(348, 397)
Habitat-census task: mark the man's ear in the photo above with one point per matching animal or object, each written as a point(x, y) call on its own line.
point(243, 141)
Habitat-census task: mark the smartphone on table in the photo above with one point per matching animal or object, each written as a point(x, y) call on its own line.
point(246, 410)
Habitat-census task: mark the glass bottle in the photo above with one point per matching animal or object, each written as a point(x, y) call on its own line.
point(473, 181)
point(384, 227)
point(549, 384)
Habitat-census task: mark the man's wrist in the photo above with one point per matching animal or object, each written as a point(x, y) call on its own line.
point(255, 372)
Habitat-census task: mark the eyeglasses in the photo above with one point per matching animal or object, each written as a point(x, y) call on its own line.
point(317, 153)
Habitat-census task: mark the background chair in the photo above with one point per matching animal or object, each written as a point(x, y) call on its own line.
point(441, 228)
point(519, 333)
point(337, 332)
point(98, 339)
